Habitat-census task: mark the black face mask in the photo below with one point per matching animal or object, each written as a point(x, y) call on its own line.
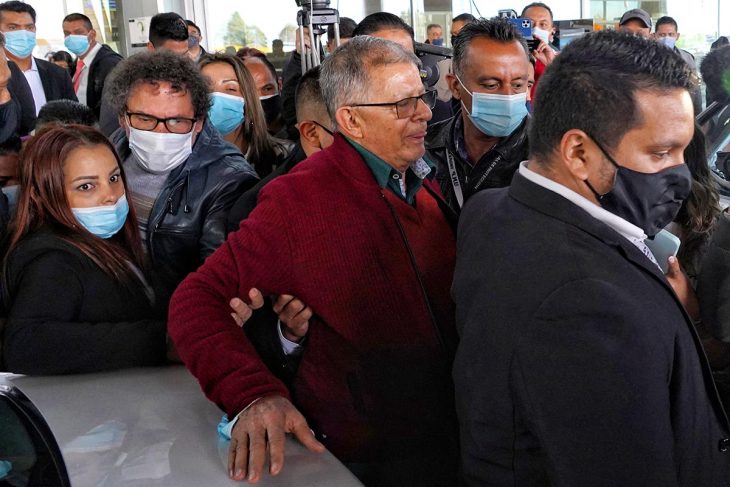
point(272, 107)
point(649, 201)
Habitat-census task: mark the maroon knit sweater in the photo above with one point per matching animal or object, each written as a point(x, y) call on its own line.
point(375, 374)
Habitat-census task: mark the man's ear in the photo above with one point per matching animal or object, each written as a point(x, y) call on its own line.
point(349, 122)
point(92, 36)
point(198, 125)
point(150, 46)
point(576, 150)
point(677, 38)
point(308, 131)
point(454, 85)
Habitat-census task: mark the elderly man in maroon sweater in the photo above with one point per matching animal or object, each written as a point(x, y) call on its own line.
point(361, 234)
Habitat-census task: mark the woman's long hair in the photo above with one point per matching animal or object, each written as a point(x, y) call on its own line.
point(261, 152)
point(700, 210)
point(43, 203)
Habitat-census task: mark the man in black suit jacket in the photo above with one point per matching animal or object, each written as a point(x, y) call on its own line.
point(98, 60)
point(9, 107)
point(578, 364)
point(45, 80)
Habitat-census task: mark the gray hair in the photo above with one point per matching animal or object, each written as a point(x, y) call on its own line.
point(345, 75)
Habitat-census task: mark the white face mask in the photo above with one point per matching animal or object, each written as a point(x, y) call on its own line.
point(541, 34)
point(160, 152)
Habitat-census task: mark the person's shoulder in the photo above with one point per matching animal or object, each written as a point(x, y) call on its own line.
point(437, 133)
point(119, 140)
point(687, 53)
point(688, 57)
point(43, 247)
point(481, 203)
point(42, 64)
point(213, 154)
point(721, 233)
point(107, 56)
point(317, 174)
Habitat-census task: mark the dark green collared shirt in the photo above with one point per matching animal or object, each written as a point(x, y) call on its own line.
point(388, 177)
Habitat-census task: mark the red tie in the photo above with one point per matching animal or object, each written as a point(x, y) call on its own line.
point(77, 75)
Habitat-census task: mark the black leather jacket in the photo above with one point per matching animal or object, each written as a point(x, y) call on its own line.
point(494, 170)
point(188, 219)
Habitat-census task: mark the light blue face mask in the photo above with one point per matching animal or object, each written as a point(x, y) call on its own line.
point(20, 42)
point(496, 115)
point(103, 221)
point(77, 44)
point(670, 42)
point(226, 112)
point(12, 194)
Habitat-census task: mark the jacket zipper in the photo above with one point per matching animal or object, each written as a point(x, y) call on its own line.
point(151, 230)
point(414, 265)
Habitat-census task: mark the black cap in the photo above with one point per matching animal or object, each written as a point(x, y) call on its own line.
point(636, 13)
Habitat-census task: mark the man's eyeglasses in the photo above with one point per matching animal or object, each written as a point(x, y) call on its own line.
point(176, 125)
point(323, 128)
point(406, 107)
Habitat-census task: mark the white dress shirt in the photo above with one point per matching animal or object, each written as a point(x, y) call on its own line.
point(84, 76)
point(36, 85)
point(628, 230)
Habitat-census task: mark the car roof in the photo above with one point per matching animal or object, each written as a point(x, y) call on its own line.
point(152, 426)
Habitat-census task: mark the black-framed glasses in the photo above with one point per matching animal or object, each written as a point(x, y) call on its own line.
point(146, 122)
point(323, 128)
point(406, 107)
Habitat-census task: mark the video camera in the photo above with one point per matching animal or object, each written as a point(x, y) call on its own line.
point(315, 15)
point(431, 57)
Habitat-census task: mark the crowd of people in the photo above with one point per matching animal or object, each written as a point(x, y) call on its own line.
point(467, 285)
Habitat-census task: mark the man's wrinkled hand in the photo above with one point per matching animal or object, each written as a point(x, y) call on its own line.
point(242, 311)
point(294, 315)
point(263, 427)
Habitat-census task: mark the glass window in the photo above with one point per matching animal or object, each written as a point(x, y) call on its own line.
point(27, 457)
point(49, 32)
point(257, 24)
point(697, 21)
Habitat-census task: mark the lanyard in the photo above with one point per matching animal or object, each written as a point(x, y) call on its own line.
point(454, 176)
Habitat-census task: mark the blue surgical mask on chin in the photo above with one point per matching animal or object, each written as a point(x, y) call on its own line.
point(670, 42)
point(103, 221)
point(226, 112)
point(11, 192)
point(496, 115)
point(20, 42)
point(77, 44)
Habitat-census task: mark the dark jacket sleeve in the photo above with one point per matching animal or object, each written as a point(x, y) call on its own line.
point(9, 119)
point(94, 95)
point(23, 96)
point(261, 330)
point(43, 337)
point(713, 281)
point(292, 73)
point(215, 224)
point(57, 83)
point(67, 86)
point(588, 380)
point(108, 119)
